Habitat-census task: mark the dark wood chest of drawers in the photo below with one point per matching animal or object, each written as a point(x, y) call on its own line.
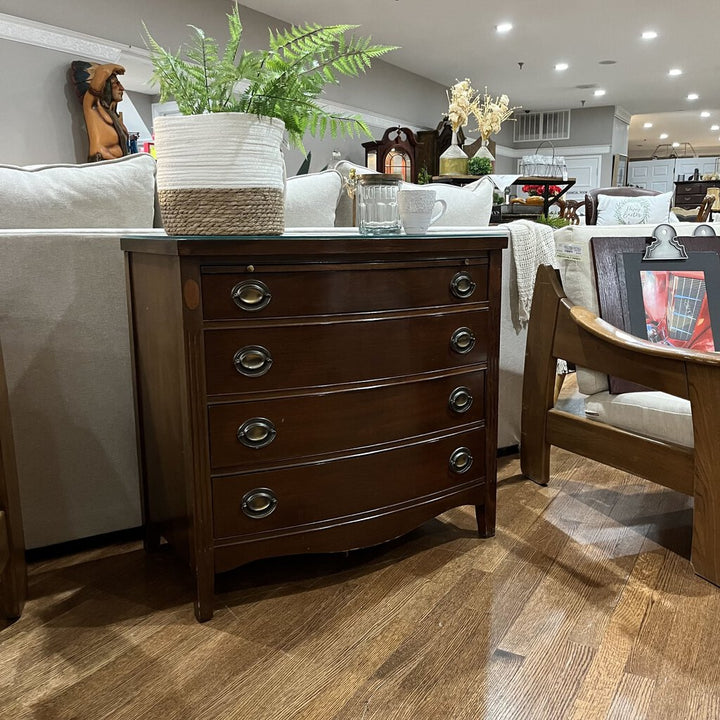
point(309, 394)
point(690, 193)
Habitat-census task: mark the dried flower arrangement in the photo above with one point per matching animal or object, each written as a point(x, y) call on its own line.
point(491, 113)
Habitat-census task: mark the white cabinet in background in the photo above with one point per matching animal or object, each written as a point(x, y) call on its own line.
point(661, 175)
point(656, 175)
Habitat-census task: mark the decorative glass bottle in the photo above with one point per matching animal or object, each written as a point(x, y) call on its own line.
point(454, 161)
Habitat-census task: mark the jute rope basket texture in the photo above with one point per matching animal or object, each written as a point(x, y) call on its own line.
point(220, 174)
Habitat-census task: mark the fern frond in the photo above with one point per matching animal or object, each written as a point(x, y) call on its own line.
point(284, 81)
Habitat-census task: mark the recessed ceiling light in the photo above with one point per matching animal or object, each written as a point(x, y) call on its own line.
point(715, 127)
point(561, 66)
point(704, 113)
point(599, 92)
point(676, 144)
point(663, 136)
point(675, 72)
point(649, 35)
point(504, 27)
point(647, 125)
point(692, 96)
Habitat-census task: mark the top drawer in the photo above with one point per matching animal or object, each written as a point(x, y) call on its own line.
point(240, 293)
point(690, 189)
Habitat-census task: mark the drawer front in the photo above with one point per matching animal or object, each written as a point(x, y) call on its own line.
point(257, 294)
point(263, 431)
point(279, 499)
point(322, 354)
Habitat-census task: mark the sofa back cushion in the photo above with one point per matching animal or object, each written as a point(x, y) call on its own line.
point(468, 206)
point(108, 194)
point(311, 200)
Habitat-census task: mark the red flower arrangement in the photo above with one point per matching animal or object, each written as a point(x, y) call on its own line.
point(539, 189)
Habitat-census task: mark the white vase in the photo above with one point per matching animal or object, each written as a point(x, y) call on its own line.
point(454, 161)
point(484, 152)
point(220, 174)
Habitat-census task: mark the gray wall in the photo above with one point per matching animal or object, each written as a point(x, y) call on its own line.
point(588, 127)
point(42, 118)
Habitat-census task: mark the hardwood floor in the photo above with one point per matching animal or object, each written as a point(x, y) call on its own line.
point(583, 606)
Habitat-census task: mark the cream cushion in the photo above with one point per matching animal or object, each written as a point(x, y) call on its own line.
point(644, 209)
point(650, 413)
point(468, 206)
point(108, 194)
point(311, 200)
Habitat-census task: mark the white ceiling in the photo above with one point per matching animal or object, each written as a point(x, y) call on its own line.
point(445, 41)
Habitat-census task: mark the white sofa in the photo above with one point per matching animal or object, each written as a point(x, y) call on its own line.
point(64, 329)
point(650, 413)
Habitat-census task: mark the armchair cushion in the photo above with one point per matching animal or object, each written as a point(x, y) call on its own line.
point(652, 413)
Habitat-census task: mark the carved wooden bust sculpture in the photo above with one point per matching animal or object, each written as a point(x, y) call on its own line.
point(100, 91)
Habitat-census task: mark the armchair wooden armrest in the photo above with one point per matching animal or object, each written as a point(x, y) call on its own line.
point(558, 329)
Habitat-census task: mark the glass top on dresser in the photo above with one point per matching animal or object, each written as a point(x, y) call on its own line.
point(340, 233)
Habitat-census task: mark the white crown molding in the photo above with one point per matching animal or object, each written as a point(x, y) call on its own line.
point(135, 60)
point(562, 151)
point(55, 38)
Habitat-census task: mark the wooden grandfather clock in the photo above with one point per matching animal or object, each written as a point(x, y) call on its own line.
point(395, 154)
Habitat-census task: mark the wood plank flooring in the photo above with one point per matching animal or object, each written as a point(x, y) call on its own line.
point(584, 605)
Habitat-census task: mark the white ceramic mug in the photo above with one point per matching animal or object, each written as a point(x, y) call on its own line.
point(417, 209)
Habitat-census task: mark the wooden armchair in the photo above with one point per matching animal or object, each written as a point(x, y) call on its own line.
point(13, 576)
point(591, 199)
point(559, 329)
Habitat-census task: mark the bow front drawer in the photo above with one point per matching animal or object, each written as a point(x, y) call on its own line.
point(262, 293)
point(330, 353)
point(296, 496)
point(270, 430)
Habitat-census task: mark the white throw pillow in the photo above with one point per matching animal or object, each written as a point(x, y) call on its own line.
point(621, 210)
point(108, 194)
point(311, 200)
point(468, 206)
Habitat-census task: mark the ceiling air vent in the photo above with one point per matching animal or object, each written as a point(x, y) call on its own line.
point(549, 125)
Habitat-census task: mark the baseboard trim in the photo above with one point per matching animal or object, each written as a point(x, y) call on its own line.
point(510, 450)
point(82, 544)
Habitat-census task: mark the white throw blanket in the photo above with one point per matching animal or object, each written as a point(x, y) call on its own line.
point(532, 244)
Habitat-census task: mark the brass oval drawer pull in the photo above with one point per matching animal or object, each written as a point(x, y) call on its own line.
point(252, 360)
point(259, 503)
point(461, 460)
point(251, 295)
point(462, 285)
point(462, 340)
point(460, 399)
point(256, 433)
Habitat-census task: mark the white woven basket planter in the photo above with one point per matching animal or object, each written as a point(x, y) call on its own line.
point(220, 174)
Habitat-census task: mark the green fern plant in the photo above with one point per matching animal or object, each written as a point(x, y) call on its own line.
point(283, 81)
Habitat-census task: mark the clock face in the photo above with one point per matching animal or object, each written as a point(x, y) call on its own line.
point(398, 162)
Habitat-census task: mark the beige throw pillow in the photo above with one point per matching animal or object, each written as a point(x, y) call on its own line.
point(108, 194)
point(311, 200)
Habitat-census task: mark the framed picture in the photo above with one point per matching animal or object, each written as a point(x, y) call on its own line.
point(619, 170)
point(669, 302)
